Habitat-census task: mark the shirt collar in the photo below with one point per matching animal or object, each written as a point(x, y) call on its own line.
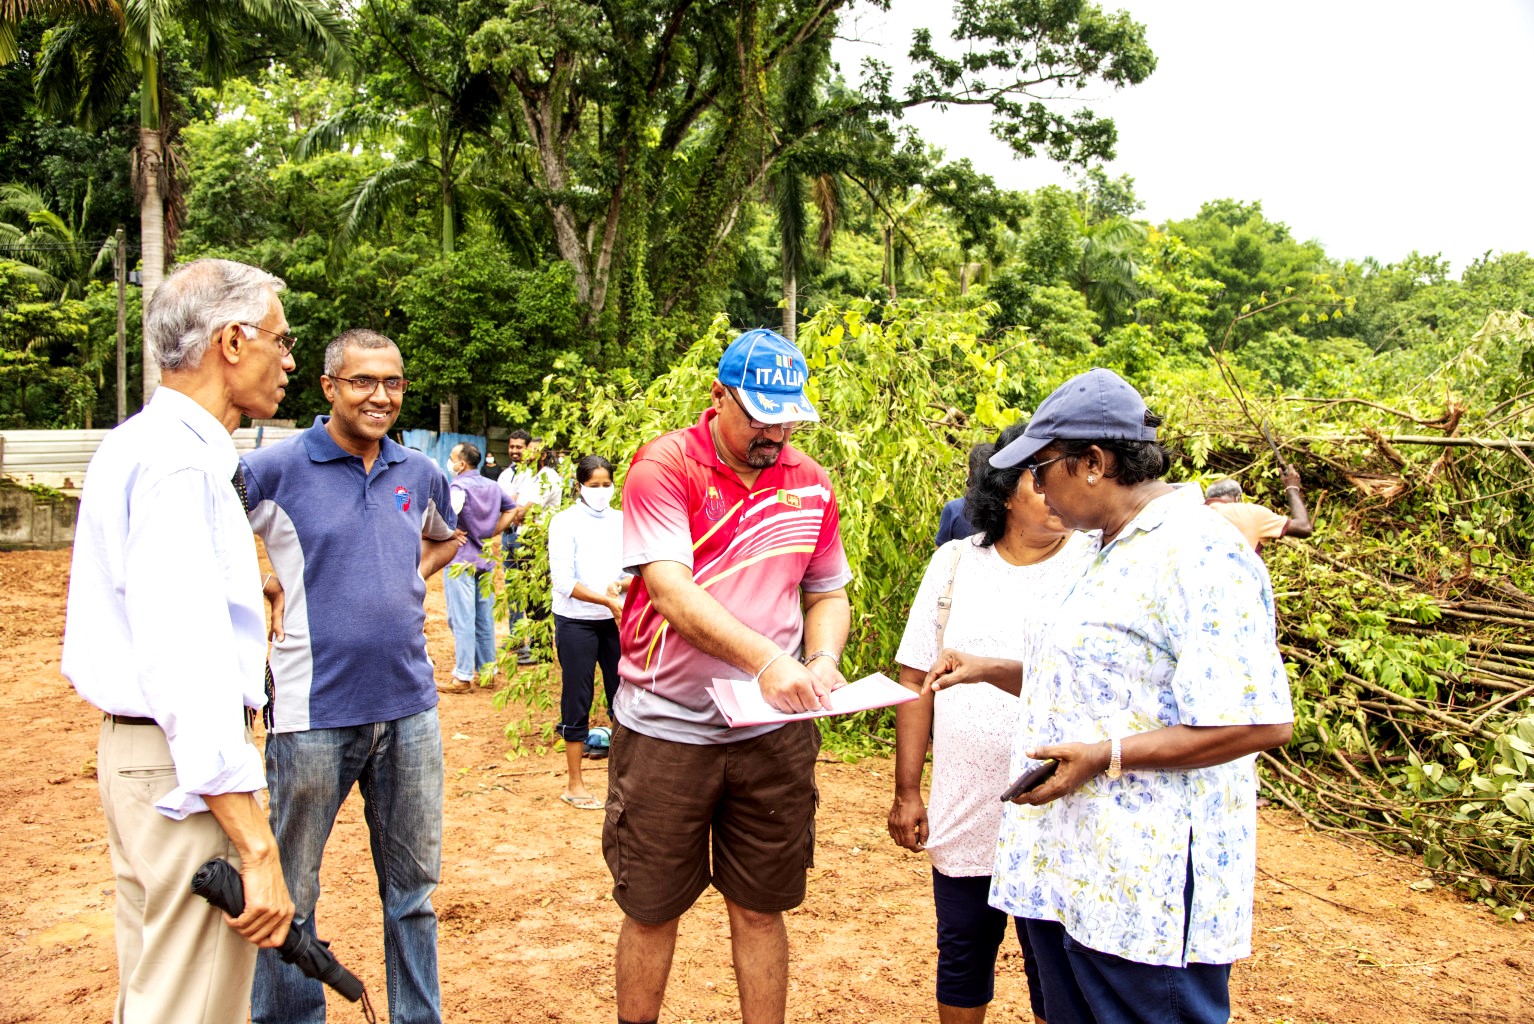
point(700, 446)
point(323, 448)
point(222, 456)
point(1159, 510)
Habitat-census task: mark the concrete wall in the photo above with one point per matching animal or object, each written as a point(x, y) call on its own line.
point(30, 521)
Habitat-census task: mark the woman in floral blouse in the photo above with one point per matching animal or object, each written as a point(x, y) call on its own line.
point(1153, 688)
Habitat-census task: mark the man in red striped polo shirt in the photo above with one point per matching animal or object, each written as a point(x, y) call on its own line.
point(733, 536)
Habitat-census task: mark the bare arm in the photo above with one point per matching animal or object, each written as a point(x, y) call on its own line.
point(437, 553)
point(268, 907)
point(1174, 747)
point(1299, 524)
point(913, 735)
point(707, 625)
point(954, 667)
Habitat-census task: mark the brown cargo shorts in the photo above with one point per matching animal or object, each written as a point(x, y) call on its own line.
point(666, 801)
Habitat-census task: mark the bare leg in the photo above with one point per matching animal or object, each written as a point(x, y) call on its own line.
point(574, 786)
point(643, 965)
point(961, 1014)
point(759, 944)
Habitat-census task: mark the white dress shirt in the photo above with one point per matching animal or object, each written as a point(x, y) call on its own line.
point(585, 546)
point(165, 618)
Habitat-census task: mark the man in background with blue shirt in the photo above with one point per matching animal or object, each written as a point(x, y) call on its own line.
point(354, 524)
point(483, 510)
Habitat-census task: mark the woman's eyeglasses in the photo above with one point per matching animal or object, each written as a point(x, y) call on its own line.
point(1037, 469)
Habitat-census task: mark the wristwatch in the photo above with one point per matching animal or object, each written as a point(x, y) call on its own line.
point(1115, 760)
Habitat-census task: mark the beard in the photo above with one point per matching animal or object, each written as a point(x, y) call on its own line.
point(762, 453)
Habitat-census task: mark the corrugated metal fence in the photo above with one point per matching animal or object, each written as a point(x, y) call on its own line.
point(57, 458)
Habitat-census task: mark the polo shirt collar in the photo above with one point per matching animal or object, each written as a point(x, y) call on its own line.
point(700, 447)
point(323, 448)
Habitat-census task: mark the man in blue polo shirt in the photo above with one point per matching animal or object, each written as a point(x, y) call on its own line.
point(354, 524)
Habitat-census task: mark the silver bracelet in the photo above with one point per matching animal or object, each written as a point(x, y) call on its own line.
point(823, 654)
point(757, 679)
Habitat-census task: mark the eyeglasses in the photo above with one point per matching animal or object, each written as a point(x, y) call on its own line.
point(368, 385)
point(285, 342)
point(755, 424)
point(1037, 469)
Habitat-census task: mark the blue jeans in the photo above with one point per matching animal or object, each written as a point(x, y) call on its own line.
point(509, 556)
point(398, 767)
point(471, 616)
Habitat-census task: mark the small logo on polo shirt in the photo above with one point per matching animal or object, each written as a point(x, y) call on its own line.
point(713, 504)
point(789, 499)
point(402, 498)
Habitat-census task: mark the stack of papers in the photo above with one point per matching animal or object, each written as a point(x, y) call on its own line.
point(741, 702)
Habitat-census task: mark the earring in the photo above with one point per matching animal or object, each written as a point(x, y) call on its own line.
point(1091, 479)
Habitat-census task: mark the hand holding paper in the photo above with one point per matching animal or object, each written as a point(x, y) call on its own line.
point(742, 704)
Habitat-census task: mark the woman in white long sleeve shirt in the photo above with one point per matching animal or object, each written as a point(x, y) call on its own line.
point(586, 570)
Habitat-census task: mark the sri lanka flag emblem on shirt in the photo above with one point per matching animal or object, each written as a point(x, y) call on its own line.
point(713, 504)
point(402, 498)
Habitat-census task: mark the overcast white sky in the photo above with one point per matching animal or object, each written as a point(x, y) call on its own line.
point(1374, 126)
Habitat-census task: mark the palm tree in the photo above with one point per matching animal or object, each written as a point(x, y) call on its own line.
point(55, 256)
point(1106, 267)
point(98, 54)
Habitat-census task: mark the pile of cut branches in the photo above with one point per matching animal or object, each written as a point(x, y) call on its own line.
point(1407, 619)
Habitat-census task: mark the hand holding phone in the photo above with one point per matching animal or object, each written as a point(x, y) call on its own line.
point(1030, 779)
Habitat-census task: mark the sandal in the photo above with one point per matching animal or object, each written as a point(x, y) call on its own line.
point(583, 803)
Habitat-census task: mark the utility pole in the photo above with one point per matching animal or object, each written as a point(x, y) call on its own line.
point(120, 271)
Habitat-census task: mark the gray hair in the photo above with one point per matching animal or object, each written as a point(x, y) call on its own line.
point(357, 337)
point(199, 298)
point(1223, 490)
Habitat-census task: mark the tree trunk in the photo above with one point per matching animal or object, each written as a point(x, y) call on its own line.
point(151, 237)
point(790, 304)
point(120, 272)
point(449, 232)
point(447, 415)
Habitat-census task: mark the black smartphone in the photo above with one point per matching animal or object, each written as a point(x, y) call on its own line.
point(1030, 779)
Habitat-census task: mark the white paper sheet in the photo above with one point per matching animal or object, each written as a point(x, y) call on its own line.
point(740, 700)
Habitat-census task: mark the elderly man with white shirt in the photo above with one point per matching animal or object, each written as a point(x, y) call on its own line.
point(166, 633)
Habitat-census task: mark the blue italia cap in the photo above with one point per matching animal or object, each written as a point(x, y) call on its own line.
point(1098, 405)
point(768, 372)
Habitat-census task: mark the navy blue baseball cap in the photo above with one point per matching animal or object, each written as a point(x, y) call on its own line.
point(1098, 405)
point(768, 372)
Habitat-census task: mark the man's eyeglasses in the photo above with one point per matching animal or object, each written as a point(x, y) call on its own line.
point(285, 342)
point(368, 385)
point(1037, 469)
point(756, 424)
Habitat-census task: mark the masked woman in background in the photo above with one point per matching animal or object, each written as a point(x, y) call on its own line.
point(586, 570)
point(996, 583)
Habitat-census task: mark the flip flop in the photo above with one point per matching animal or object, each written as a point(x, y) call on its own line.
point(585, 803)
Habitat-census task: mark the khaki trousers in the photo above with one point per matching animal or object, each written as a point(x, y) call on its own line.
point(177, 962)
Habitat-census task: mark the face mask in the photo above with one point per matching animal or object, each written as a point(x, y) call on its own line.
point(597, 498)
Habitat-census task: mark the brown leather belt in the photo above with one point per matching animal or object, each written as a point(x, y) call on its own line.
point(250, 718)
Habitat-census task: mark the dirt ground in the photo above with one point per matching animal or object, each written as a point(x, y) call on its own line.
point(528, 926)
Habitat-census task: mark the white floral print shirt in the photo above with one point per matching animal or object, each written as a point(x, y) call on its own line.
point(1171, 624)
